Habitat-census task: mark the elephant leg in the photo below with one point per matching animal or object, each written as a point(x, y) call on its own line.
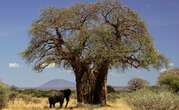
point(67, 100)
point(61, 103)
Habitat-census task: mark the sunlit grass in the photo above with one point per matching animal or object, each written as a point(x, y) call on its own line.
point(42, 104)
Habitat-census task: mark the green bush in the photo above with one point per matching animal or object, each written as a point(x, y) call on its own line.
point(4, 92)
point(137, 83)
point(149, 100)
point(110, 89)
point(37, 93)
point(170, 79)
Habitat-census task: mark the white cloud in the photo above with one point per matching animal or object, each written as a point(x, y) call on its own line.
point(162, 70)
point(14, 65)
point(171, 65)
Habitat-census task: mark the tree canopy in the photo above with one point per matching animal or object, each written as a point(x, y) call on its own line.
point(105, 31)
point(137, 83)
point(170, 78)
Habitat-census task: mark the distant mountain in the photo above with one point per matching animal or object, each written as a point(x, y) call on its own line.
point(57, 84)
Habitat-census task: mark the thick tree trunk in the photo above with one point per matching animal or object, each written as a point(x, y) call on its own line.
point(100, 91)
point(79, 94)
point(90, 92)
point(91, 87)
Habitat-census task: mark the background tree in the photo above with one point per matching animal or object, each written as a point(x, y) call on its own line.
point(90, 39)
point(137, 83)
point(170, 79)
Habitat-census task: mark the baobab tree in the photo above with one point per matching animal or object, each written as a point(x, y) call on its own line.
point(90, 39)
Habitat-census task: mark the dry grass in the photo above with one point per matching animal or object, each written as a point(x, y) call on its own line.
point(42, 104)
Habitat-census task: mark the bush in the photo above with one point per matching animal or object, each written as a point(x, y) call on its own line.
point(37, 93)
point(170, 79)
point(12, 96)
point(137, 83)
point(14, 88)
point(4, 91)
point(149, 100)
point(110, 89)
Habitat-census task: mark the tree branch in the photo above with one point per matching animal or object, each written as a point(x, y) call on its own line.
point(60, 39)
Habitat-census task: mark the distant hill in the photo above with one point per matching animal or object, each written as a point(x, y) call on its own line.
point(57, 84)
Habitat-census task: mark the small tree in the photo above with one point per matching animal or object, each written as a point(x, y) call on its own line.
point(90, 39)
point(170, 79)
point(137, 83)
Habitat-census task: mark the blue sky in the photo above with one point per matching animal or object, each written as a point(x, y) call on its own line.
point(16, 16)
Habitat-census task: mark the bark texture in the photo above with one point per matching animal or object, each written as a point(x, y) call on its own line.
point(91, 86)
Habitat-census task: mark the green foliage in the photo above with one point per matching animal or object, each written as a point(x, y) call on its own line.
point(137, 83)
point(92, 33)
point(149, 100)
point(110, 89)
point(36, 92)
point(170, 79)
point(4, 92)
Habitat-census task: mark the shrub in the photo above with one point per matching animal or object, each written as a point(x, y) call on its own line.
point(4, 91)
point(149, 100)
point(170, 79)
point(12, 96)
point(110, 89)
point(37, 93)
point(137, 83)
point(14, 88)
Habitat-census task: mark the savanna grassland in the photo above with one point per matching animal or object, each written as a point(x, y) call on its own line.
point(32, 103)
point(142, 99)
point(138, 96)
